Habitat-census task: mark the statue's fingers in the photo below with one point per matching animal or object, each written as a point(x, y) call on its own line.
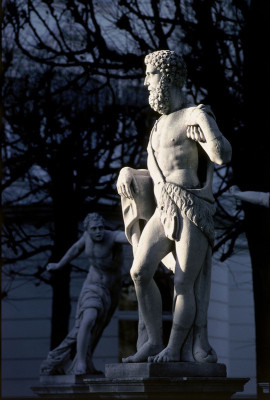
point(126, 191)
point(123, 191)
point(202, 137)
point(196, 133)
point(192, 135)
point(188, 131)
point(119, 190)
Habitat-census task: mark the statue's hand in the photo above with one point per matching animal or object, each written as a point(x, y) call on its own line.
point(194, 132)
point(234, 190)
point(52, 266)
point(126, 183)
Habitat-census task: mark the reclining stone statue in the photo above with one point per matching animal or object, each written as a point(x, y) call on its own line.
point(173, 199)
point(97, 301)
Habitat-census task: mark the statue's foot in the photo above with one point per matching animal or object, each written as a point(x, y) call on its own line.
point(202, 350)
point(201, 355)
point(187, 356)
point(80, 368)
point(166, 355)
point(148, 349)
point(46, 372)
point(52, 371)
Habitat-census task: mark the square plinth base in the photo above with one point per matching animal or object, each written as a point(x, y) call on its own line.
point(64, 386)
point(66, 379)
point(166, 381)
point(185, 388)
point(173, 369)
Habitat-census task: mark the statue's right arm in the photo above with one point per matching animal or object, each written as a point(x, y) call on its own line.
point(72, 252)
point(127, 183)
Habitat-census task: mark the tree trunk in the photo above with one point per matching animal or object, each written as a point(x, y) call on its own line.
point(65, 224)
point(251, 166)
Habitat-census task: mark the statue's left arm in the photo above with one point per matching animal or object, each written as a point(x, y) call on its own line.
point(209, 136)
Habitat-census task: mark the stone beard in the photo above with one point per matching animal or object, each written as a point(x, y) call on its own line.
point(159, 99)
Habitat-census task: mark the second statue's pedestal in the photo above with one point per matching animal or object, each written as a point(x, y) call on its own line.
point(165, 381)
point(168, 381)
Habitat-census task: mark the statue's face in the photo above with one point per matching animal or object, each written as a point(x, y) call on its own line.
point(152, 78)
point(159, 96)
point(96, 231)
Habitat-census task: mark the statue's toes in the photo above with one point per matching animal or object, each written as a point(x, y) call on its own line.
point(127, 359)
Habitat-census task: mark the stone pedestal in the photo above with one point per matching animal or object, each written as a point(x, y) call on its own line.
point(186, 388)
point(166, 381)
point(64, 386)
point(170, 370)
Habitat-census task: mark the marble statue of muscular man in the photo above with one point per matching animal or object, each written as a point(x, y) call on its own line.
point(97, 301)
point(182, 221)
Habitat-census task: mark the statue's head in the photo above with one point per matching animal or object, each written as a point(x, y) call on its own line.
point(171, 70)
point(94, 225)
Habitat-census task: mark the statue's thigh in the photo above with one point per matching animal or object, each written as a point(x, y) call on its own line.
point(153, 246)
point(190, 251)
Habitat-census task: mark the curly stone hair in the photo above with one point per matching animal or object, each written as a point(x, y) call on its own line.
point(92, 217)
point(171, 65)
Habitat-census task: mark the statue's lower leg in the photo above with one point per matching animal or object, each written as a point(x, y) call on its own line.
point(149, 300)
point(202, 350)
point(83, 340)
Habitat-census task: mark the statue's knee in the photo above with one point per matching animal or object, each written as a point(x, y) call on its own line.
point(139, 277)
point(89, 319)
point(88, 323)
point(136, 276)
point(182, 286)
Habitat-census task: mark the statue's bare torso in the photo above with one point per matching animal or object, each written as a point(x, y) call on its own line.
point(176, 155)
point(104, 270)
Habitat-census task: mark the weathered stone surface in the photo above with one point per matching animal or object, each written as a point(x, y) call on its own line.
point(177, 369)
point(181, 215)
point(66, 379)
point(185, 388)
point(63, 386)
point(63, 391)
